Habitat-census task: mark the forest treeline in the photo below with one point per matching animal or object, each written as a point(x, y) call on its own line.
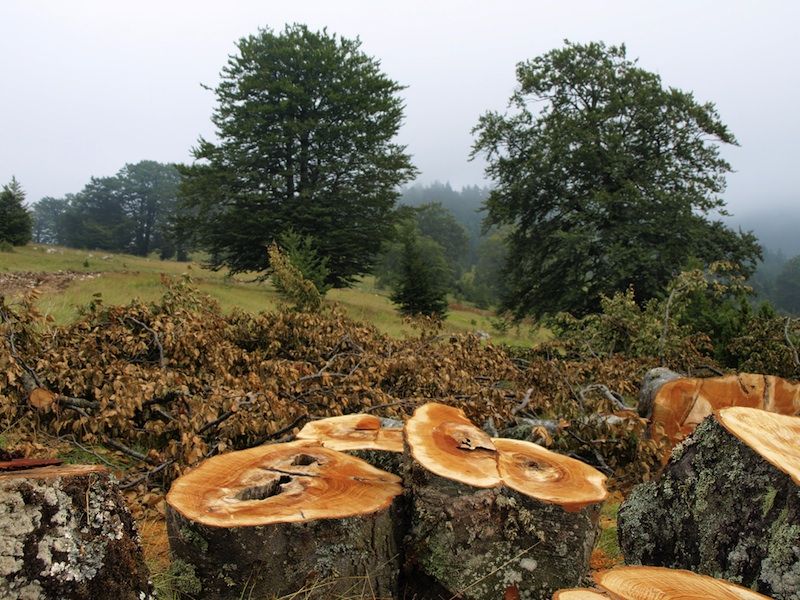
point(606, 188)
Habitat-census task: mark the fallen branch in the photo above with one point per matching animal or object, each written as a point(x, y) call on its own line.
point(613, 397)
point(119, 446)
point(156, 338)
point(155, 470)
point(525, 401)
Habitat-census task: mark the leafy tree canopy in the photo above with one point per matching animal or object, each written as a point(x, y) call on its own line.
point(133, 211)
point(305, 122)
point(607, 179)
point(15, 220)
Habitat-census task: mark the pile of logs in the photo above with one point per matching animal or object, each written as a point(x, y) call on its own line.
point(474, 517)
point(363, 507)
point(675, 405)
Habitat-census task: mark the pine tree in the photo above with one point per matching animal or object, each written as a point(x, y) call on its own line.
point(16, 224)
point(422, 286)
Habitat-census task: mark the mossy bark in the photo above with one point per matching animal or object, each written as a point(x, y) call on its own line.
point(65, 532)
point(721, 510)
point(484, 543)
point(325, 558)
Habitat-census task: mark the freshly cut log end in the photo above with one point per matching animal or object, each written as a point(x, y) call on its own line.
point(579, 594)
point(651, 583)
point(676, 405)
point(283, 519)
point(775, 437)
point(548, 476)
point(65, 532)
point(354, 432)
point(281, 483)
point(445, 442)
point(487, 519)
point(720, 508)
point(42, 399)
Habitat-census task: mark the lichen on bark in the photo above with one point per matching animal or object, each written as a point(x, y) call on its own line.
point(323, 557)
point(478, 543)
point(68, 535)
point(721, 510)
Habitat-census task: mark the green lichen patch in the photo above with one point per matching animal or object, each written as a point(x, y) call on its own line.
point(721, 510)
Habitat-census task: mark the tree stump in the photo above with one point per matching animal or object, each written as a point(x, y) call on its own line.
point(647, 583)
point(65, 532)
point(494, 518)
point(727, 504)
point(579, 594)
point(373, 439)
point(277, 519)
point(675, 405)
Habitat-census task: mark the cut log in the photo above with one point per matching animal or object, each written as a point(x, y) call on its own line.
point(649, 583)
point(494, 518)
point(579, 594)
point(42, 399)
point(727, 504)
point(65, 532)
point(277, 519)
point(373, 439)
point(675, 405)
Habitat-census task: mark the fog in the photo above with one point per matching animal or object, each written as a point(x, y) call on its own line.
point(88, 86)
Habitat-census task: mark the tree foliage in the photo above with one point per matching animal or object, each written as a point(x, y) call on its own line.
point(607, 178)
point(421, 284)
point(133, 211)
point(290, 283)
point(48, 216)
point(15, 220)
point(305, 122)
point(787, 286)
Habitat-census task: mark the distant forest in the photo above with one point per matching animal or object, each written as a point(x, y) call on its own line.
point(136, 211)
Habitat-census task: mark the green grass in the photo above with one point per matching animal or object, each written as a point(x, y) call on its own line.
point(124, 278)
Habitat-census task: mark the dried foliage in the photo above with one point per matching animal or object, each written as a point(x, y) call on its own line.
point(170, 383)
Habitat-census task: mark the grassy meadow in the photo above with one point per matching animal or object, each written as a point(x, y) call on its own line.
point(74, 277)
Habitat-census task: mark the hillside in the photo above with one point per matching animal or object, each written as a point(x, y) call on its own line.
point(69, 279)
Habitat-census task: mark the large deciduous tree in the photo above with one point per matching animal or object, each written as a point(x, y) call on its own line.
point(305, 125)
point(607, 179)
point(15, 220)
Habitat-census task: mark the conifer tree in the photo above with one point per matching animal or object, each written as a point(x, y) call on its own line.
point(16, 224)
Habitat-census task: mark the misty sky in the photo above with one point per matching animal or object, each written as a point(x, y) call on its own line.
point(88, 86)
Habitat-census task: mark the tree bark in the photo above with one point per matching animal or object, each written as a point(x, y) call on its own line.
point(279, 519)
point(484, 543)
point(65, 532)
point(720, 509)
point(325, 558)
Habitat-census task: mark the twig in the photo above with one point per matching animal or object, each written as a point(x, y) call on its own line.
point(789, 341)
point(125, 450)
point(156, 338)
point(391, 404)
point(11, 335)
point(460, 594)
point(602, 464)
point(613, 397)
point(525, 401)
point(70, 402)
point(133, 483)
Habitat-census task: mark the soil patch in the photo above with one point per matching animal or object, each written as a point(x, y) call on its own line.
point(16, 283)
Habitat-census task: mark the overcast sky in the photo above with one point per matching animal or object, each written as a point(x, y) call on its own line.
point(88, 86)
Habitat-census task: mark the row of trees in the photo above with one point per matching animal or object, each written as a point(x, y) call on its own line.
point(134, 211)
point(604, 179)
